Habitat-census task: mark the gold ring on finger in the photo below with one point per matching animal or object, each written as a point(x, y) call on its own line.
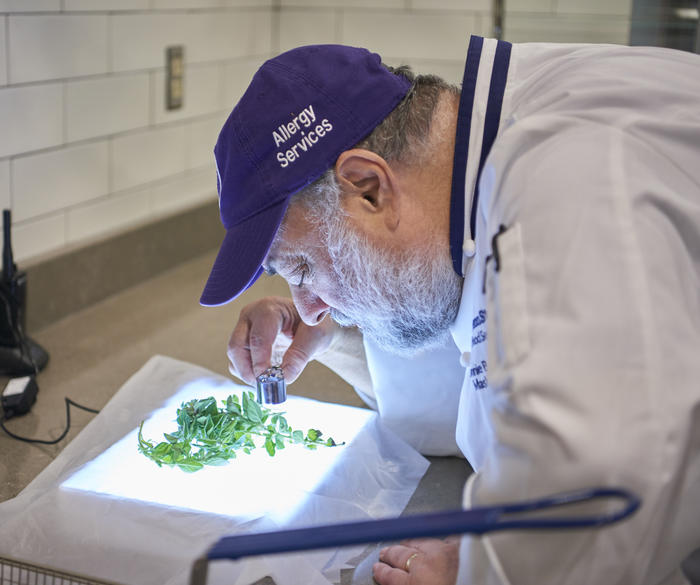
point(409, 559)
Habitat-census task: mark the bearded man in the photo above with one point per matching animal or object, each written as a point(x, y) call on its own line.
point(542, 225)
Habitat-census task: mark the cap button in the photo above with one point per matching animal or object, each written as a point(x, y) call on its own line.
point(469, 249)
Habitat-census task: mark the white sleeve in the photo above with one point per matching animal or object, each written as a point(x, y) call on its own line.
point(418, 398)
point(595, 382)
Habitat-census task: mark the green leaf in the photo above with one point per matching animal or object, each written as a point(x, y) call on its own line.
point(161, 448)
point(190, 465)
point(211, 435)
point(216, 461)
point(253, 412)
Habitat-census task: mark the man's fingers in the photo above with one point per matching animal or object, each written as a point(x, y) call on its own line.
point(398, 555)
point(238, 353)
point(250, 346)
point(263, 332)
point(387, 575)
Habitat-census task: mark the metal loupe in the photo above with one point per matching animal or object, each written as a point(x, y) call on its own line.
point(271, 386)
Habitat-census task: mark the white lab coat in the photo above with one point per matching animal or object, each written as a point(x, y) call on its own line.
point(583, 346)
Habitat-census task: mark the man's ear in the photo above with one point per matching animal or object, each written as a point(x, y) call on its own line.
point(370, 187)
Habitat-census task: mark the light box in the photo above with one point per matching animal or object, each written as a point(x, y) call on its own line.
point(103, 509)
point(247, 487)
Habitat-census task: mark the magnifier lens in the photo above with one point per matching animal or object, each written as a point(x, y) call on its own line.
point(271, 386)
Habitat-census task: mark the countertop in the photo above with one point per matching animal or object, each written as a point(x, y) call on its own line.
point(95, 350)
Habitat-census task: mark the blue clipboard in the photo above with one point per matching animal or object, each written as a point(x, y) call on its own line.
point(511, 516)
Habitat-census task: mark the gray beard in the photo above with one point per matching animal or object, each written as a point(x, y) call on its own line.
point(404, 301)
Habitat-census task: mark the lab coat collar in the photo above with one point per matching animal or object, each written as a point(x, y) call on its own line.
point(483, 87)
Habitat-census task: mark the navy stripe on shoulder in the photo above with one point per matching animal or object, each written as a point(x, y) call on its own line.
point(497, 89)
point(459, 166)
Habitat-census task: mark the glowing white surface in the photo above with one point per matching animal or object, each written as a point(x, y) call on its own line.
point(247, 487)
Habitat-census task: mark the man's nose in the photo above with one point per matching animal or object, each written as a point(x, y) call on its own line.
point(312, 309)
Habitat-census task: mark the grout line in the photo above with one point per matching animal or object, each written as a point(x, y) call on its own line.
point(146, 70)
point(129, 132)
point(163, 181)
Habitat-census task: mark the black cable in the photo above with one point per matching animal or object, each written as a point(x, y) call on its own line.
point(69, 403)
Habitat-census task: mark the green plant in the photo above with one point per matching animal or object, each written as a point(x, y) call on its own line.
point(211, 435)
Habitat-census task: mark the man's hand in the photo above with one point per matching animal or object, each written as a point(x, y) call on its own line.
point(419, 562)
point(274, 322)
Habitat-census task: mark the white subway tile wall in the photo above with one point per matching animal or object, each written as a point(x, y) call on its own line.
point(87, 146)
point(537, 6)
point(3, 52)
point(106, 105)
point(236, 77)
point(5, 184)
point(308, 27)
point(200, 140)
point(560, 28)
point(56, 46)
point(30, 5)
point(181, 191)
point(424, 35)
point(147, 156)
point(244, 3)
point(394, 4)
point(170, 4)
point(101, 5)
point(31, 118)
point(462, 5)
point(107, 215)
point(598, 7)
point(54, 180)
point(202, 94)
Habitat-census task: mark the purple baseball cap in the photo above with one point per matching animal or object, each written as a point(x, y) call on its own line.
point(302, 109)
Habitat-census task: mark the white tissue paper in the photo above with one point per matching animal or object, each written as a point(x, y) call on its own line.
point(104, 510)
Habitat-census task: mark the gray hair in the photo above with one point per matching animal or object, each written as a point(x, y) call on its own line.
point(402, 136)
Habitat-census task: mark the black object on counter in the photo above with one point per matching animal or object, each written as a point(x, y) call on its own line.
point(19, 354)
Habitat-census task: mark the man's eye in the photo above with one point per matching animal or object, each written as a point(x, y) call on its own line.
point(301, 273)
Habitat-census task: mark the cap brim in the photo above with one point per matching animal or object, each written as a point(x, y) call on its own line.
point(239, 261)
